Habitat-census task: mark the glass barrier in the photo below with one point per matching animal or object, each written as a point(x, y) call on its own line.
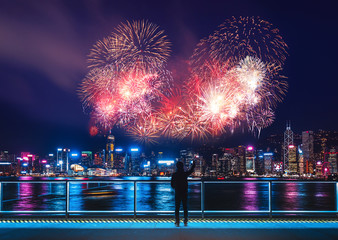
point(159, 197)
point(303, 197)
point(132, 197)
point(25, 197)
point(101, 196)
point(248, 196)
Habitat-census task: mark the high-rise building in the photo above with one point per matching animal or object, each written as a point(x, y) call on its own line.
point(250, 159)
point(332, 159)
point(233, 165)
point(119, 159)
point(8, 163)
point(259, 162)
point(86, 159)
point(135, 160)
point(308, 154)
point(268, 162)
point(240, 152)
point(110, 151)
point(214, 162)
point(301, 165)
point(292, 159)
point(288, 140)
point(27, 163)
point(319, 166)
point(99, 159)
point(62, 159)
point(199, 165)
point(187, 156)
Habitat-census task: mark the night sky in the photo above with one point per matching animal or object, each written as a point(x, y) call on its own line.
point(44, 47)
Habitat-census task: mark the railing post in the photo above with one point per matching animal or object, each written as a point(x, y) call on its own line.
point(202, 198)
point(270, 199)
point(67, 199)
point(135, 198)
point(337, 199)
point(0, 197)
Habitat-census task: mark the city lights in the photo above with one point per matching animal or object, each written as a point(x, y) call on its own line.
point(168, 162)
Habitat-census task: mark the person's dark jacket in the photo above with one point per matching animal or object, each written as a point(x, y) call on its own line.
point(179, 179)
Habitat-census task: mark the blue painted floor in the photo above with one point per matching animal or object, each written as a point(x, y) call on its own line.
point(148, 229)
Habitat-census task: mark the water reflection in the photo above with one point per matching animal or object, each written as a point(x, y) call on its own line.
point(303, 196)
point(28, 196)
point(116, 196)
point(158, 196)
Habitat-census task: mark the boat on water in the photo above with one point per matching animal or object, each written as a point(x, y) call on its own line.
point(99, 192)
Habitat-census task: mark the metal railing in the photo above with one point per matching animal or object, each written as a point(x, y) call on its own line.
point(67, 211)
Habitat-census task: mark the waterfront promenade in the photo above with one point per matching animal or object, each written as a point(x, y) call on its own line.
point(163, 228)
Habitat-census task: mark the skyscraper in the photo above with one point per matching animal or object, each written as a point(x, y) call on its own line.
point(307, 147)
point(288, 140)
point(301, 169)
point(86, 158)
point(119, 160)
point(292, 159)
point(214, 162)
point(135, 160)
point(332, 159)
point(268, 162)
point(241, 157)
point(110, 151)
point(250, 159)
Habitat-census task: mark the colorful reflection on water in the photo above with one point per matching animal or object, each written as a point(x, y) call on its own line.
point(159, 196)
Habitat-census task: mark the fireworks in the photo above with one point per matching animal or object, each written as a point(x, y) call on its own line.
point(145, 131)
point(239, 37)
point(127, 74)
point(234, 81)
point(132, 44)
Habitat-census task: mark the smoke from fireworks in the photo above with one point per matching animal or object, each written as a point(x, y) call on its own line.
point(234, 81)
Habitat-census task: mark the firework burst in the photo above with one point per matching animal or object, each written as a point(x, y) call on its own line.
point(234, 81)
point(144, 131)
point(243, 36)
point(134, 44)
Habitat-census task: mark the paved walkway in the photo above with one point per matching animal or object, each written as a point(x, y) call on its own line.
point(104, 229)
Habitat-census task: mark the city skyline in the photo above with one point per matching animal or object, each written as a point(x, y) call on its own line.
point(309, 154)
point(42, 110)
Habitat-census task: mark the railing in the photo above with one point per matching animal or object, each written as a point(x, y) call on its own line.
point(269, 188)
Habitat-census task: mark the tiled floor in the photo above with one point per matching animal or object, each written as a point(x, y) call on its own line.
point(98, 229)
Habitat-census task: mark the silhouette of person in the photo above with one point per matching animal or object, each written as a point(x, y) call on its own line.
point(179, 182)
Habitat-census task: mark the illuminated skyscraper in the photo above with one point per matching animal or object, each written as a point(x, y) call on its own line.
point(301, 166)
point(135, 160)
point(110, 151)
point(233, 165)
point(27, 163)
point(241, 157)
point(268, 162)
point(307, 148)
point(332, 159)
point(259, 162)
point(199, 165)
point(119, 159)
point(86, 159)
point(288, 140)
point(98, 159)
point(292, 159)
point(214, 162)
point(224, 165)
point(250, 159)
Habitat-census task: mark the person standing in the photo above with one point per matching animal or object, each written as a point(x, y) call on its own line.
point(179, 182)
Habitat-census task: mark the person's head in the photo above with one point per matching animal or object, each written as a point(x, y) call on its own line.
point(179, 166)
